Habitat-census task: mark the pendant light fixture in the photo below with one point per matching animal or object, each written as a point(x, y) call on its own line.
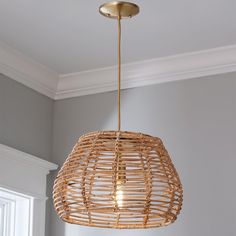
point(118, 179)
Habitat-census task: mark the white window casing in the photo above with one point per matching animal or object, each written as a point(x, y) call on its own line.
point(22, 189)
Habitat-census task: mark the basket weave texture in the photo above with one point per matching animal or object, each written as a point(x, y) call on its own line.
point(118, 179)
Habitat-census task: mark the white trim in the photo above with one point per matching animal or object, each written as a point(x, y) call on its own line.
point(172, 68)
point(25, 70)
point(30, 172)
point(18, 213)
point(22, 157)
point(22, 192)
point(8, 216)
point(28, 177)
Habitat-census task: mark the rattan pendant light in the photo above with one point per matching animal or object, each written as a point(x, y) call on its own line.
point(118, 179)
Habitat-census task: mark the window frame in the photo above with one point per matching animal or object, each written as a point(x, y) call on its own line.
point(7, 225)
point(28, 178)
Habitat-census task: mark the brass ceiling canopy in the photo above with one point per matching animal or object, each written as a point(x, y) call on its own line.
point(119, 9)
point(118, 179)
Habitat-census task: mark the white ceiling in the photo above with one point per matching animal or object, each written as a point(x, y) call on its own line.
point(70, 35)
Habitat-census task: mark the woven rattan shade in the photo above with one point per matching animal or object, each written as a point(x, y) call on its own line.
point(104, 163)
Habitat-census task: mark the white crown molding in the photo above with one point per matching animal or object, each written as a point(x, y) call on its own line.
point(25, 70)
point(172, 68)
point(20, 157)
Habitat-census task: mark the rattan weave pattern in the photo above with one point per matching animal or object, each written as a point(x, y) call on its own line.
point(118, 179)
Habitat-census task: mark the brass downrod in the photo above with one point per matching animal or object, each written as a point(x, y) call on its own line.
point(119, 70)
point(119, 10)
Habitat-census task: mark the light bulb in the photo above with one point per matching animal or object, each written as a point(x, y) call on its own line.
point(121, 179)
point(119, 196)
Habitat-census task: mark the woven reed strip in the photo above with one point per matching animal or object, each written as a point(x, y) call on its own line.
point(148, 181)
point(115, 168)
point(170, 193)
point(91, 178)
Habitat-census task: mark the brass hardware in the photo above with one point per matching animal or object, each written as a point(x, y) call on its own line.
point(119, 9)
point(119, 71)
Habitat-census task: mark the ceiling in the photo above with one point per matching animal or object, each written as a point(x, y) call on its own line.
point(70, 36)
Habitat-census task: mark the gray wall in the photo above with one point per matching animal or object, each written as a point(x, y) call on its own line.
point(26, 122)
point(25, 119)
point(196, 120)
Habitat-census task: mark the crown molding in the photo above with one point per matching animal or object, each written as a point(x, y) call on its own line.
point(60, 86)
point(166, 69)
point(25, 70)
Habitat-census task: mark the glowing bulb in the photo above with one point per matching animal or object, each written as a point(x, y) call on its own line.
point(119, 196)
point(121, 179)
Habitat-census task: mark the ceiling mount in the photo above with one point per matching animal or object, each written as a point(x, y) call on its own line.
point(118, 9)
